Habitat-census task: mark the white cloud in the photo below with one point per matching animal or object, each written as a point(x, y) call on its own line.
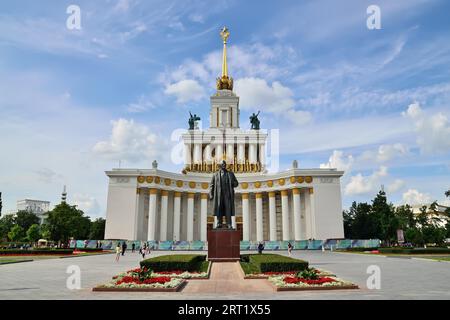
point(339, 161)
point(386, 152)
point(122, 6)
point(433, 131)
point(414, 197)
point(47, 175)
point(360, 184)
point(395, 186)
point(196, 17)
point(185, 91)
point(131, 141)
point(143, 104)
point(89, 205)
point(255, 61)
point(257, 94)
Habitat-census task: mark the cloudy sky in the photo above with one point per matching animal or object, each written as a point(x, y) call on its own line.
point(375, 103)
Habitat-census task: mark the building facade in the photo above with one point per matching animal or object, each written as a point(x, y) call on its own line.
point(38, 207)
point(296, 204)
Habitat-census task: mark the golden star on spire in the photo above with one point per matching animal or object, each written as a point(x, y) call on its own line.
point(224, 82)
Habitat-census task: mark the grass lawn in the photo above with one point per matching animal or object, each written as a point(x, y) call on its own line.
point(439, 258)
point(7, 260)
point(21, 258)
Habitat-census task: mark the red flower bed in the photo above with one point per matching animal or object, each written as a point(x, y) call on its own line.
point(319, 281)
point(128, 279)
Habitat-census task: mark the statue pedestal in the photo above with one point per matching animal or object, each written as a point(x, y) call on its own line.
point(224, 245)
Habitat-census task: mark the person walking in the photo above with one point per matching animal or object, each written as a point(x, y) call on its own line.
point(118, 251)
point(143, 250)
point(289, 248)
point(133, 247)
point(260, 247)
point(124, 247)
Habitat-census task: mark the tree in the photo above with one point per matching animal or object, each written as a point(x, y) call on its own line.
point(6, 223)
point(45, 232)
point(26, 219)
point(34, 233)
point(16, 233)
point(97, 231)
point(358, 222)
point(384, 217)
point(66, 221)
point(405, 217)
point(447, 193)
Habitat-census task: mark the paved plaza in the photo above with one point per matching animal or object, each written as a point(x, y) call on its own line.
point(401, 278)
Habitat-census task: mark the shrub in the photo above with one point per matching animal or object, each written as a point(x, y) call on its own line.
point(276, 263)
point(185, 262)
point(415, 250)
point(358, 249)
point(90, 249)
point(309, 274)
point(35, 251)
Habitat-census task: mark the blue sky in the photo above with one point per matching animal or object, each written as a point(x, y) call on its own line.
point(372, 102)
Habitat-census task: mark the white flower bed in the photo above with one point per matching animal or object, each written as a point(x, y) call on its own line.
point(174, 282)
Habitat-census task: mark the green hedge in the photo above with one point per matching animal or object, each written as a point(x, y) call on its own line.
point(185, 262)
point(90, 249)
point(415, 250)
point(359, 249)
point(36, 251)
point(272, 263)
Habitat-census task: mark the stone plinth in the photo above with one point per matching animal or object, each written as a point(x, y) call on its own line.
point(224, 245)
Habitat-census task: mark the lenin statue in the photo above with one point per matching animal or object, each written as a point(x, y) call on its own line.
point(222, 193)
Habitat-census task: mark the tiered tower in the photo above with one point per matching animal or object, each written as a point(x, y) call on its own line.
point(243, 150)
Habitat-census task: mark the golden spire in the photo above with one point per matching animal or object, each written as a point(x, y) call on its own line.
point(224, 82)
point(224, 34)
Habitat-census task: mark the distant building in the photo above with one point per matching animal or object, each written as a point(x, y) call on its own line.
point(438, 212)
point(38, 207)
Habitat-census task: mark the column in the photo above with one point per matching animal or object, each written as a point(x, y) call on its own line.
point(152, 214)
point(312, 211)
point(176, 216)
point(187, 154)
point(262, 154)
point(163, 224)
point(241, 153)
point(197, 153)
point(245, 218)
point(272, 217)
point(230, 153)
point(203, 216)
point(259, 218)
point(207, 154)
point(285, 214)
point(219, 152)
point(190, 217)
point(297, 213)
point(252, 153)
